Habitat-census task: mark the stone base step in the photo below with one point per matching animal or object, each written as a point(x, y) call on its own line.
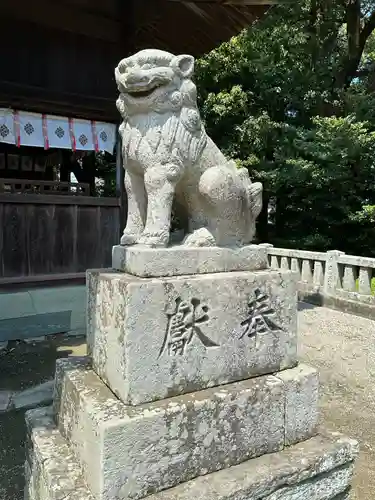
point(147, 448)
point(51, 470)
point(318, 469)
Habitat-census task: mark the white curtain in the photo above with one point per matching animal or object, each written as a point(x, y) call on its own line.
point(47, 131)
point(58, 132)
point(7, 126)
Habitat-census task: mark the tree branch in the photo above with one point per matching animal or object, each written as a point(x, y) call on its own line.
point(357, 39)
point(353, 22)
point(367, 29)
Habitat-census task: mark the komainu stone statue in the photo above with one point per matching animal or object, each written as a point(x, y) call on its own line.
point(169, 157)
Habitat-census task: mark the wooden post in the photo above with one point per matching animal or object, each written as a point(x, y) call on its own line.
point(120, 187)
point(119, 169)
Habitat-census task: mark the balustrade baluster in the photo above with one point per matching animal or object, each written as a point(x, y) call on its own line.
point(284, 264)
point(349, 279)
point(294, 266)
point(318, 277)
point(306, 273)
point(274, 262)
point(364, 281)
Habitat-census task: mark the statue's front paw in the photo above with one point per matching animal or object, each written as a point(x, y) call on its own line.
point(129, 239)
point(154, 240)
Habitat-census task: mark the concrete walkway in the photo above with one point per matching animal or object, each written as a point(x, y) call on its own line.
point(340, 345)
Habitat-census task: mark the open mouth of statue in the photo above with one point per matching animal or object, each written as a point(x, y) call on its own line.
point(142, 92)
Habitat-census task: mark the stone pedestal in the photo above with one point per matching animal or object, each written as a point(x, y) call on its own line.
point(192, 388)
point(153, 338)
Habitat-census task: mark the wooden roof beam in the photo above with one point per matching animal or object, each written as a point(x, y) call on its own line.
point(62, 17)
point(197, 10)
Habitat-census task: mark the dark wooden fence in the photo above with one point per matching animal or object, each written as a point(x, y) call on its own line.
point(55, 237)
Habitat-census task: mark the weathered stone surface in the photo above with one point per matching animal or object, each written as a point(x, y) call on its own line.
point(321, 487)
point(51, 470)
point(158, 337)
point(318, 469)
point(129, 452)
point(169, 157)
point(301, 403)
point(180, 260)
point(62, 366)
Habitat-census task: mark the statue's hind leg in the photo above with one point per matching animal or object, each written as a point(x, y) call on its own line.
point(222, 200)
point(198, 233)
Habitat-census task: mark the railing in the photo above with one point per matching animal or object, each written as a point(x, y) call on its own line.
point(24, 186)
point(356, 278)
point(309, 265)
point(331, 277)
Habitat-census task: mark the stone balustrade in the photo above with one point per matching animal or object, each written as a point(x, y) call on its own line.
point(332, 278)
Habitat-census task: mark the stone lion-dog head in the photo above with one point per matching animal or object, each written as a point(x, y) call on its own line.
point(154, 80)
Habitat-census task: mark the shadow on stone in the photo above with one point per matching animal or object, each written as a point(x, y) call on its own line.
point(302, 306)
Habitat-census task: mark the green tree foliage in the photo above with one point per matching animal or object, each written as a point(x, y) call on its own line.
point(293, 100)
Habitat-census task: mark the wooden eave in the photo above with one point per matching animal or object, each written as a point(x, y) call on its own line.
point(114, 29)
point(195, 27)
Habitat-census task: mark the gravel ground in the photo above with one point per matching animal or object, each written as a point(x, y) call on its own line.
point(341, 346)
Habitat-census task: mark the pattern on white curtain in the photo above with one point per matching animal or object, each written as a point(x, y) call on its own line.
point(106, 133)
point(30, 129)
point(7, 126)
point(48, 131)
point(82, 131)
point(58, 132)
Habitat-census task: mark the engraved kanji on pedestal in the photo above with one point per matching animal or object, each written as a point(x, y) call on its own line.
point(261, 316)
point(183, 324)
